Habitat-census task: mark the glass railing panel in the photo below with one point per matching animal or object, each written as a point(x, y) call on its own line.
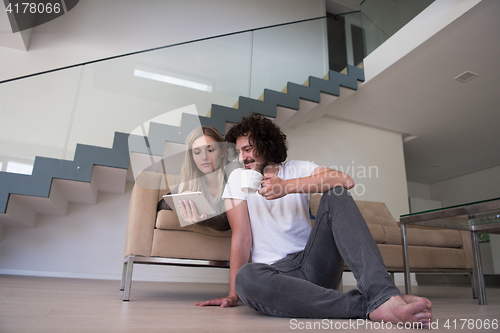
point(123, 93)
point(49, 114)
point(289, 53)
point(35, 114)
point(374, 36)
point(383, 18)
point(346, 45)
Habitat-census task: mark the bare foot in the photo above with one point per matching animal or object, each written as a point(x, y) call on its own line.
point(404, 309)
point(413, 298)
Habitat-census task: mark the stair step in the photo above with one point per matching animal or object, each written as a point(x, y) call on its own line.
point(306, 107)
point(18, 214)
point(322, 92)
point(55, 204)
point(78, 192)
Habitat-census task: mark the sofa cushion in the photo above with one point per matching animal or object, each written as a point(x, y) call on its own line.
point(376, 212)
point(424, 257)
point(314, 200)
point(373, 212)
point(378, 233)
point(190, 245)
point(167, 220)
point(373, 221)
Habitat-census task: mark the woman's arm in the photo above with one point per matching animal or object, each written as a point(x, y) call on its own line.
point(241, 243)
point(217, 222)
point(162, 204)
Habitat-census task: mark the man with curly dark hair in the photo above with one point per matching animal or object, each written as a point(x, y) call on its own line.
point(295, 270)
point(268, 140)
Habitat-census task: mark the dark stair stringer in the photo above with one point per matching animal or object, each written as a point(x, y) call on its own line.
point(80, 169)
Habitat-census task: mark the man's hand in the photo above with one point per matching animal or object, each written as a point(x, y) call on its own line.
point(223, 302)
point(273, 187)
point(321, 180)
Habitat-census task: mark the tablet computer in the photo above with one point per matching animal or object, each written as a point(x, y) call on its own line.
point(201, 203)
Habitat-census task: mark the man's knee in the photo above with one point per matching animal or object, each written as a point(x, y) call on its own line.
point(336, 195)
point(248, 279)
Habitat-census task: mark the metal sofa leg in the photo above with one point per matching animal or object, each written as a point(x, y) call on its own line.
point(122, 285)
point(474, 286)
point(128, 278)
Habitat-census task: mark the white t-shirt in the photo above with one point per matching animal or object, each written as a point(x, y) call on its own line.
point(279, 226)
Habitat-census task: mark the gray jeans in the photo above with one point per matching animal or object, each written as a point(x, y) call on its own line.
point(302, 285)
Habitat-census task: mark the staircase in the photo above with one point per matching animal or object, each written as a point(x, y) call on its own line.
point(54, 183)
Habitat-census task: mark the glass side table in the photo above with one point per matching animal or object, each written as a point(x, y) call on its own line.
point(481, 216)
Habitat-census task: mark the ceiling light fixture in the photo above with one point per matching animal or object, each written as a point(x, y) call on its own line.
point(173, 80)
point(466, 76)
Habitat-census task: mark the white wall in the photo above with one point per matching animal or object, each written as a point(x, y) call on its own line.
point(419, 195)
point(421, 205)
point(87, 242)
point(481, 185)
point(418, 190)
point(372, 157)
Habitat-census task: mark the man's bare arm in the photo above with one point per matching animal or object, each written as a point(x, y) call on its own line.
point(241, 243)
point(321, 180)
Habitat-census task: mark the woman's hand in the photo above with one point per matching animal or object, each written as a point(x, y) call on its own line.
point(223, 302)
point(189, 212)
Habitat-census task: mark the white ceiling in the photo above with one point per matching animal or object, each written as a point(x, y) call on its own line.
point(455, 124)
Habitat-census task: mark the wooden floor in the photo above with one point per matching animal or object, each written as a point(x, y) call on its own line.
point(37, 304)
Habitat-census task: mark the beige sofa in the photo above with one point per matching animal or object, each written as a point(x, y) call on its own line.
point(157, 238)
point(430, 249)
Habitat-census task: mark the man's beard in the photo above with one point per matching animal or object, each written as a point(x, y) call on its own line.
point(260, 167)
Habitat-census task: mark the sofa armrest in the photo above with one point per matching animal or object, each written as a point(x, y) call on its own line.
point(466, 244)
point(142, 215)
point(467, 241)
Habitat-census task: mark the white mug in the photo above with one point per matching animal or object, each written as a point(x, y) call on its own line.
point(250, 181)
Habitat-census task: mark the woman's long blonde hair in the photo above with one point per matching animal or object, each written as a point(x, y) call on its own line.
point(192, 179)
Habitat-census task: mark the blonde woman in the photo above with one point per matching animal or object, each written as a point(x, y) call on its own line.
point(204, 170)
